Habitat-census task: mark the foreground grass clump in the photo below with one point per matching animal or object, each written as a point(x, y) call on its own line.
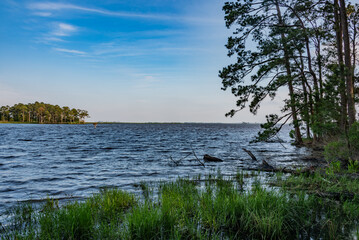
point(216, 207)
point(338, 194)
point(341, 183)
point(100, 216)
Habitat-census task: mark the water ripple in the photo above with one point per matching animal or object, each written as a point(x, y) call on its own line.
point(41, 160)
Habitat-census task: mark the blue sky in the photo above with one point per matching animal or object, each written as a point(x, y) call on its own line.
point(128, 61)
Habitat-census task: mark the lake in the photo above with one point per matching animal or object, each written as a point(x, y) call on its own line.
point(66, 161)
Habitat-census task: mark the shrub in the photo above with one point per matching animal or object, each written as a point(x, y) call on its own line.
point(337, 150)
point(333, 167)
point(353, 166)
point(353, 136)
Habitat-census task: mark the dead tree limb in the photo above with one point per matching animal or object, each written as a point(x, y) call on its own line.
point(177, 162)
point(250, 154)
point(174, 161)
point(280, 141)
point(265, 164)
point(200, 162)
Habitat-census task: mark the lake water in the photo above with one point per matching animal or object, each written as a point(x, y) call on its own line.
point(65, 161)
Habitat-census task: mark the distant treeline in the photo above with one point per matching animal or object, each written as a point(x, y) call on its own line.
point(40, 112)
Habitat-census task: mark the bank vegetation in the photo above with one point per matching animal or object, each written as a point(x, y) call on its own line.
point(40, 112)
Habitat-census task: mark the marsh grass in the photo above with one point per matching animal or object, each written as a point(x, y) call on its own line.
point(209, 207)
point(320, 182)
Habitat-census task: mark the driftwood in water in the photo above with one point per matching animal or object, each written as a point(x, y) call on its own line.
point(195, 155)
point(208, 158)
point(265, 164)
point(250, 154)
point(309, 170)
point(178, 162)
point(174, 161)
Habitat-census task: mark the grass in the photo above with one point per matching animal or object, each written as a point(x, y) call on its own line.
point(319, 182)
point(211, 207)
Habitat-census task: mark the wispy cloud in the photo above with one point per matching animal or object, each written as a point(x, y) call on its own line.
point(149, 47)
point(57, 33)
point(63, 29)
point(49, 6)
point(42, 14)
point(69, 51)
point(52, 39)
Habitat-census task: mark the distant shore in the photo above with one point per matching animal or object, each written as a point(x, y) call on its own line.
point(12, 122)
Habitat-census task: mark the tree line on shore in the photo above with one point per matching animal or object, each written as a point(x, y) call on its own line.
point(40, 112)
point(308, 47)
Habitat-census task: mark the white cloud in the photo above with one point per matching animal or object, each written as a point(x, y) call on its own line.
point(69, 51)
point(64, 29)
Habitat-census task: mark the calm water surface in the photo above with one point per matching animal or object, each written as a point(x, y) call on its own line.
point(76, 160)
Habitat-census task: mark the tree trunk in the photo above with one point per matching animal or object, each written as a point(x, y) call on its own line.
point(319, 57)
point(347, 58)
point(339, 41)
point(355, 35)
point(305, 93)
point(310, 68)
point(298, 136)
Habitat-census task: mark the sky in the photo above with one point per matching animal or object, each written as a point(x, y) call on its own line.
point(124, 61)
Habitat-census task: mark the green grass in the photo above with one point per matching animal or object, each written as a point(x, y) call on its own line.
point(211, 207)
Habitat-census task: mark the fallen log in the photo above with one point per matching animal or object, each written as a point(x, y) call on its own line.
point(309, 170)
point(208, 158)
